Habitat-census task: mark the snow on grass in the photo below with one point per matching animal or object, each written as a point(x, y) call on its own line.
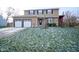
point(37, 39)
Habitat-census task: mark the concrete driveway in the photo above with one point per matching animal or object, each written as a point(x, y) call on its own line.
point(8, 31)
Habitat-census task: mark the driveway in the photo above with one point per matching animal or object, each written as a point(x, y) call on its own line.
point(9, 31)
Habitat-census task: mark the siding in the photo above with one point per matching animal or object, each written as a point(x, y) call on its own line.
point(55, 13)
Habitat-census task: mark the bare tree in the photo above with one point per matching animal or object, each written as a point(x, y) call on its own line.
point(10, 11)
point(69, 19)
point(1, 12)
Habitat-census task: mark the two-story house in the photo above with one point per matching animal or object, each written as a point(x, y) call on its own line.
point(36, 18)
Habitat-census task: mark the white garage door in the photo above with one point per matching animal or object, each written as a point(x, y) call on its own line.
point(27, 23)
point(18, 23)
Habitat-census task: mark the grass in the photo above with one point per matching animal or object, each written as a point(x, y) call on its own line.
point(42, 40)
point(77, 26)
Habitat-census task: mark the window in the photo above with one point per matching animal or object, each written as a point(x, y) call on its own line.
point(34, 12)
point(40, 21)
point(50, 20)
point(31, 12)
point(40, 11)
point(49, 11)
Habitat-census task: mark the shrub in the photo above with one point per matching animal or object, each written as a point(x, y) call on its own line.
point(52, 24)
point(2, 26)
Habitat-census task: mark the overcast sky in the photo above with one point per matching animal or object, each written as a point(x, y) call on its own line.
point(27, 4)
point(39, 4)
point(21, 5)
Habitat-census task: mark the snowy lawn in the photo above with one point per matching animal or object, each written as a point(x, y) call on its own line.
point(8, 31)
point(36, 39)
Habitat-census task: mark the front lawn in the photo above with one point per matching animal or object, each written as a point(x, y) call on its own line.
point(36, 39)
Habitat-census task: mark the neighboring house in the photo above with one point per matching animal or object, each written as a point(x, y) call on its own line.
point(2, 21)
point(36, 18)
point(60, 21)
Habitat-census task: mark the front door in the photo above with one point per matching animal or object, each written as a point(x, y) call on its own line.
point(40, 20)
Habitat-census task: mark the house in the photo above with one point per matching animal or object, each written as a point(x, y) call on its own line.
point(60, 20)
point(2, 21)
point(36, 18)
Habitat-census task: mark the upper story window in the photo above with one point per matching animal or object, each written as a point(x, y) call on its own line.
point(31, 11)
point(49, 11)
point(40, 11)
point(46, 11)
point(34, 12)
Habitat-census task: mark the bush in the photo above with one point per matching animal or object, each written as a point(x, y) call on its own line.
point(2, 26)
point(52, 24)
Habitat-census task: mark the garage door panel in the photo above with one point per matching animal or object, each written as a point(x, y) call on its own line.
point(27, 23)
point(18, 23)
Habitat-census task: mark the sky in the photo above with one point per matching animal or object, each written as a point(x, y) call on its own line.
point(73, 10)
point(21, 5)
point(26, 4)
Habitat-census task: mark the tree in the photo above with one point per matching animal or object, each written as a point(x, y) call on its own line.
point(1, 12)
point(69, 19)
point(2, 20)
point(10, 11)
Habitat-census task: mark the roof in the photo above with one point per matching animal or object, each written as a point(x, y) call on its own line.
point(28, 16)
point(43, 9)
point(61, 15)
point(22, 16)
